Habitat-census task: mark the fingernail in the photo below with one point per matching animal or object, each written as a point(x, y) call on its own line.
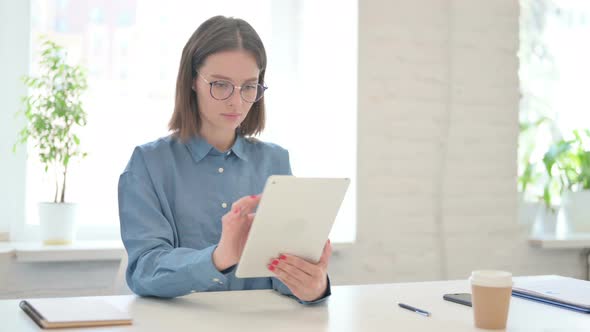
point(329, 241)
point(271, 267)
point(283, 257)
point(253, 196)
point(275, 262)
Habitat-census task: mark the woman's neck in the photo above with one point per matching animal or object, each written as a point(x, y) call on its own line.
point(222, 141)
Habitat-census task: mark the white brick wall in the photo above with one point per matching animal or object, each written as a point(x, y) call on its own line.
point(438, 126)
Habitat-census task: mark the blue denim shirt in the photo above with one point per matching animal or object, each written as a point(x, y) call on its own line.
point(172, 196)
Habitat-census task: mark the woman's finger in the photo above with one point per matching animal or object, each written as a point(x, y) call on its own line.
point(326, 254)
point(293, 283)
point(239, 213)
point(247, 202)
point(302, 276)
point(300, 264)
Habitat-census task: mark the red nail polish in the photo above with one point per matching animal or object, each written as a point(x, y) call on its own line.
point(283, 257)
point(275, 262)
point(271, 267)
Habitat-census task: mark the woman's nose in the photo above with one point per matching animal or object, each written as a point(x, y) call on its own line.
point(236, 98)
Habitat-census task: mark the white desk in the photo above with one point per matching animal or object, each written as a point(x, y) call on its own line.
point(351, 308)
point(568, 241)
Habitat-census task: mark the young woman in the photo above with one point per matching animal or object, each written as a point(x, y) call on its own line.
point(186, 201)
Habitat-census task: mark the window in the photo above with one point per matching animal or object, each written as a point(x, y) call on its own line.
point(553, 71)
point(132, 49)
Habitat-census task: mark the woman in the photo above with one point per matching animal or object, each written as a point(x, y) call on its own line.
point(178, 223)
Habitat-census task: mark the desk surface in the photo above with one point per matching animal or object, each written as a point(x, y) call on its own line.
point(351, 308)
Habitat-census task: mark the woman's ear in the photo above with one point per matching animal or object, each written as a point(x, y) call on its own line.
point(194, 85)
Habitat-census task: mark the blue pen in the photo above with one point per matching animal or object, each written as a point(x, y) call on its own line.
point(414, 309)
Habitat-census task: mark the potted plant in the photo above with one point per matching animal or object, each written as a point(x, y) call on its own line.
point(530, 176)
point(53, 112)
point(567, 163)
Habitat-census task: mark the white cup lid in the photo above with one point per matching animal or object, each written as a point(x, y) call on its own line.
point(491, 278)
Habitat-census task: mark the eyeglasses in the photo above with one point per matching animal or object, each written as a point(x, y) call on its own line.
point(222, 90)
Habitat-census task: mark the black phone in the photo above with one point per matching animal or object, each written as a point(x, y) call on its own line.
point(461, 298)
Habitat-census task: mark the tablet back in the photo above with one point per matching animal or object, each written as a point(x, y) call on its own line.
point(295, 216)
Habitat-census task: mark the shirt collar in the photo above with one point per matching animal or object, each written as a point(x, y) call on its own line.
point(239, 148)
point(199, 148)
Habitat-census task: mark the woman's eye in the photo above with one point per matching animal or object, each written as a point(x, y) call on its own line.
point(220, 84)
point(250, 87)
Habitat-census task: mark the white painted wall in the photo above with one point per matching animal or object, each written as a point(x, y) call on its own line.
point(438, 102)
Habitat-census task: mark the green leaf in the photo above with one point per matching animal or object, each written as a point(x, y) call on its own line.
point(554, 153)
point(547, 196)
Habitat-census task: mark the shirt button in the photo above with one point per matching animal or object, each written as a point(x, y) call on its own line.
point(220, 170)
point(224, 205)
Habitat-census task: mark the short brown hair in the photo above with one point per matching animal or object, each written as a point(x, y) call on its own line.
point(217, 34)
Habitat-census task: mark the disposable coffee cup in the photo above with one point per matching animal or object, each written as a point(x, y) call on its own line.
point(491, 291)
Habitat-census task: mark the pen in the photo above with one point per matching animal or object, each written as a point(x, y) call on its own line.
point(414, 309)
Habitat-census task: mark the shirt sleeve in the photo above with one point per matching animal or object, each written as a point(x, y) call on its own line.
point(156, 267)
point(279, 286)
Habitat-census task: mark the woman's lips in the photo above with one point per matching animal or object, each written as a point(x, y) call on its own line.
point(231, 115)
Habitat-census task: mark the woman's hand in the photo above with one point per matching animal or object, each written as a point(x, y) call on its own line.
point(308, 281)
point(235, 226)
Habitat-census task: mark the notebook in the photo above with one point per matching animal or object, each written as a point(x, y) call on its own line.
point(73, 312)
point(556, 290)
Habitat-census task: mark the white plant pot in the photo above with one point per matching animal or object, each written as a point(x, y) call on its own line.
point(576, 210)
point(58, 222)
point(545, 222)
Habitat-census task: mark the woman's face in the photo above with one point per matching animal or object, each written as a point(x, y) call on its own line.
point(237, 67)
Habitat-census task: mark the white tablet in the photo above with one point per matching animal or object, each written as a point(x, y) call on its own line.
point(295, 216)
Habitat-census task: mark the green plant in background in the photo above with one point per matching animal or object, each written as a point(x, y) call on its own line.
point(529, 173)
point(528, 176)
point(567, 163)
point(53, 111)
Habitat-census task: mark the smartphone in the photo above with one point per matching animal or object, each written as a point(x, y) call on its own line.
point(461, 298)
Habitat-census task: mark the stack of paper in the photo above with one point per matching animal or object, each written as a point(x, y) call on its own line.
point(568, 292)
